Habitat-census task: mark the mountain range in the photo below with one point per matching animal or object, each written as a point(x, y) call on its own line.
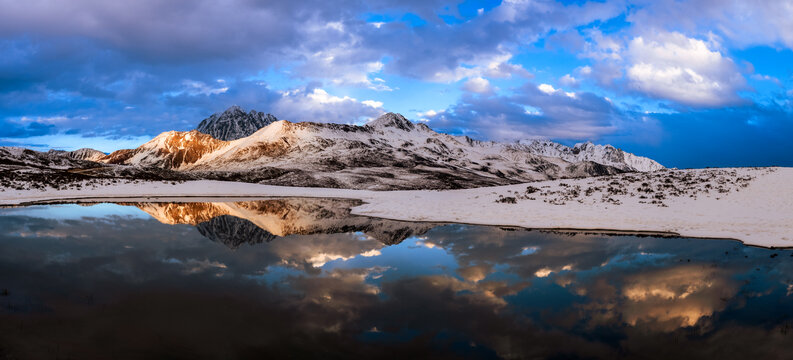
point(389, 152)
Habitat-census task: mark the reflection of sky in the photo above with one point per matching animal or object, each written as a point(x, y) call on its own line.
point(74, 212)
point(406, 259)
point(465, 284)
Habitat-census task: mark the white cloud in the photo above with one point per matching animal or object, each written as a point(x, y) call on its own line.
point(44, 119)
point(602, 47)
point(318, 105)
point(478, 85)
point(686, 70)
point(762, 77)
point(196, 88)
point(548, 89)
point(342, 64)
point(490, 65)
point(568, 80)
point(428, 115)
point(372, 103)
point(200, 88)
point(744, 22)
point(321, 96)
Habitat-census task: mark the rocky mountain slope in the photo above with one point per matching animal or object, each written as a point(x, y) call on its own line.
point(234, 123)
point(387, 153)
point(53, 159)
point(86, 154)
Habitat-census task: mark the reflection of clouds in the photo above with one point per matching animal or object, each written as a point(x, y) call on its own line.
point(475, 273)
point(321, 259)
point(662, 299)
point(544, 272)
point(429, 245)
point(193, 266)
point(489, 293)
point(677, 296)
point(317, 250)
point(46, 233)
point(492, 298)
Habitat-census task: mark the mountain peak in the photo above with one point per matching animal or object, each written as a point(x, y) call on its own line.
point(233, 109)
point(234, 123)
point(393, 120)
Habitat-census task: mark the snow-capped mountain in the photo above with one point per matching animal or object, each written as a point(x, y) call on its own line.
point(234, 123)
point(601, 154)
point(86, 154)
point(388, 153)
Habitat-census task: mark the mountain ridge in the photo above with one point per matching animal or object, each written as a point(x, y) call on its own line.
point(389, 152)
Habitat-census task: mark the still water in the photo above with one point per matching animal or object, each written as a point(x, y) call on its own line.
point(303, 278)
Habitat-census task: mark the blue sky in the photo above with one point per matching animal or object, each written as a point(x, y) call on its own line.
point(688, 83)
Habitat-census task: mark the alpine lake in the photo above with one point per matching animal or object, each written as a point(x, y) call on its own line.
point(303, 278)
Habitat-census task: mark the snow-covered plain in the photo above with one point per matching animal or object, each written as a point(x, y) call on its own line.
point(754, 205)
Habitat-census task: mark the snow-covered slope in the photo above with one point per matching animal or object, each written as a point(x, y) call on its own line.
point(86, 154)
point(389, 152)
point(53, 159)
point(234, 123)
point(601, 154)
point(169, 150)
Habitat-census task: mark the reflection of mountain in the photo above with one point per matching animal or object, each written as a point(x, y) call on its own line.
point(235, 223)
point(233, 231)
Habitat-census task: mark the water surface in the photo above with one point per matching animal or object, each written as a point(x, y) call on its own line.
point(304, 278)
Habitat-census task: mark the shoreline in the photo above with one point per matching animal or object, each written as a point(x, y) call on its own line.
point(758, 213)
point(197, 198)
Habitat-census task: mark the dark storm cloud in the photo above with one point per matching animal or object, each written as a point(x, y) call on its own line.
point(12, 130)
point(118, 64)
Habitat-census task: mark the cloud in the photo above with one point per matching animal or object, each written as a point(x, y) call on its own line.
point(179, 109)
point(147, 66)
point(317, 105)
point(63, 141)
point(686, 70)
point(200, 88)
point(10, 129)
point(744, 22)
point(532, 111)
point(317, 39)
point(478, 85)
point(569, 80)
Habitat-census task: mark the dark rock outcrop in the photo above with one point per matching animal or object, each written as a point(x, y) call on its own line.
point(234, 123)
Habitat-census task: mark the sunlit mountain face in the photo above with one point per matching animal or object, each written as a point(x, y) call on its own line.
point(300, 277)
